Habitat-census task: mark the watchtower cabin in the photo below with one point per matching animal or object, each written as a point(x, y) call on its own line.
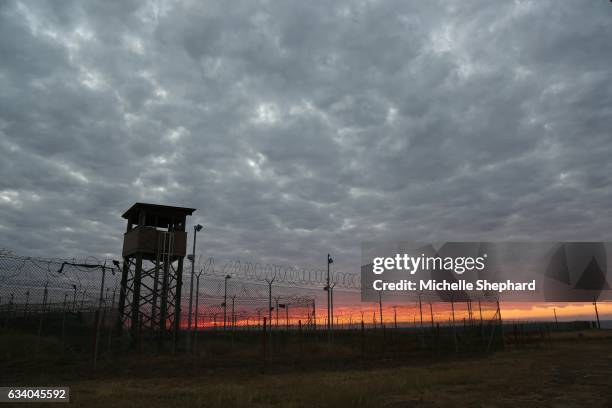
point(154, 247)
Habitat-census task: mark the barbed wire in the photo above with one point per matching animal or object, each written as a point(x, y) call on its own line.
point(286, 274)
point(75, 284)
point(28, 284)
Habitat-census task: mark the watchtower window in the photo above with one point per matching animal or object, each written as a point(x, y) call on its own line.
point(160, 217)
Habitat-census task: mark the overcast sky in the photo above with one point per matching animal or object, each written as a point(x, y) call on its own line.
point(298, 128)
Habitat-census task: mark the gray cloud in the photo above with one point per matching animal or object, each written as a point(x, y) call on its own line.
point(298, 128)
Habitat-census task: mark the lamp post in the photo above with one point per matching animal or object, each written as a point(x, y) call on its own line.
point(233, 314)
point(197, 307)
point(196, 228)
point(331, 297)
point(225, 301)
point(328, 289)
point(270, 282)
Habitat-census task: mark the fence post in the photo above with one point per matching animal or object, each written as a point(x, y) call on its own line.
point(264, 342)
point(596, 313)
point(25, 310)
point(6, 316)
point(362, 336)
point(110, 331)
point(438, 337)
point(97, 317)
point(300, 336)
point(501, 325)
point(63, 330)
point(40, 326)
point(454, 326)
point(42, 315)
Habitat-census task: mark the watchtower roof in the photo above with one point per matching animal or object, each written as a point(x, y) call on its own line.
point(163, 210)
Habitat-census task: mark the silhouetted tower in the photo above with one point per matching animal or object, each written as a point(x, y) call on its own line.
point(154, 246)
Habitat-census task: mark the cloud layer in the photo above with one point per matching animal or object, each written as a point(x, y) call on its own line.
point(301, 128)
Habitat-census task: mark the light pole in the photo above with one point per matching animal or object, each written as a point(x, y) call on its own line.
point(328, 289)
point(270, 282)
point(331, 297)
point(225, 301)
point(196, 228)
point(233, 314)
point(197, 307)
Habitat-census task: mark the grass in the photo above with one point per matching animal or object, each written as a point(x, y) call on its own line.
point(574, 371)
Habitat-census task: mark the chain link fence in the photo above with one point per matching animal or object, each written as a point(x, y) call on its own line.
point(68, 299)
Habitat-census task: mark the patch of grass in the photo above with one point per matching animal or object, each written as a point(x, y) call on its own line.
point(574, 371)
point(511, 378)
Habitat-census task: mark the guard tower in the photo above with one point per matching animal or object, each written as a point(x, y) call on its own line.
point(154, 246)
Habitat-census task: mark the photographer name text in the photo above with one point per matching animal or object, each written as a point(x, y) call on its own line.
point(459, 285)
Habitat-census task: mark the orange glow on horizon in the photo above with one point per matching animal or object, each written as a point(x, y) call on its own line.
point(410, 314)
